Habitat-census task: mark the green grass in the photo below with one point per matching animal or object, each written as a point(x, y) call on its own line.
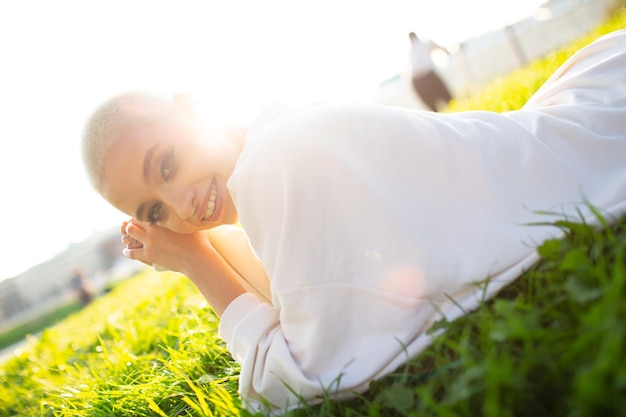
point(151, 340)
point(512, 91)
point(553, 343)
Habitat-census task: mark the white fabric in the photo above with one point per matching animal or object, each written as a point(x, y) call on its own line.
point(367, 217)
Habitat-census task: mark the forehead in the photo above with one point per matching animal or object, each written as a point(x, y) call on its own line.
point(123, 183)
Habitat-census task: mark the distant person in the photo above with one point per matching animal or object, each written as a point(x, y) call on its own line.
point(370, 222)
point(83, 287)
point(427, 84)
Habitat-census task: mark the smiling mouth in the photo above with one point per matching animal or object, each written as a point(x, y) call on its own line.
point(210, 208)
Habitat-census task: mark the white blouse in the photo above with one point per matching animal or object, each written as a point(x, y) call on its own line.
point(369, 219)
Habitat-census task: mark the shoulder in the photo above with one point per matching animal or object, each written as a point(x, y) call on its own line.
point(284, 126)
point(293, 141)
point(283, 115)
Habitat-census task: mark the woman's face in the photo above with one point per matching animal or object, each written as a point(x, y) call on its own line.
point(165, 173)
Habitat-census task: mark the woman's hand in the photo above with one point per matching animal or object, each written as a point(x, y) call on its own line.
point(157, 246)
point(190, 254)
point(128, 241)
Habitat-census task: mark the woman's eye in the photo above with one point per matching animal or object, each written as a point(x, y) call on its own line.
point(167, 166)
point(155, 213)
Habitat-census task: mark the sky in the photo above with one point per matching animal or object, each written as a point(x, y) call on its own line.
point(61, 58)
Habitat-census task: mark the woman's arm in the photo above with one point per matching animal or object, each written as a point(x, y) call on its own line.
point(190, 254)
point(233, 245)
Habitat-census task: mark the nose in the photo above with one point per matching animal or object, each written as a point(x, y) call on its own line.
point(180, 200)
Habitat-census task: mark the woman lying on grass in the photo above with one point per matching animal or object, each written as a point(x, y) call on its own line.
point(370, 222)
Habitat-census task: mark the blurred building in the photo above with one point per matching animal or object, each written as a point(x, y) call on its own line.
point(48, 285)
point(478, 61)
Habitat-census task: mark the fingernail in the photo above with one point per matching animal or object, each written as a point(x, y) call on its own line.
point(125, 252)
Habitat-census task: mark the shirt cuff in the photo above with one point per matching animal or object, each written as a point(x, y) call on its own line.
point(234, 314)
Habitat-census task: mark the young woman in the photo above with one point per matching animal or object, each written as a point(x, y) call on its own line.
point(363, 224)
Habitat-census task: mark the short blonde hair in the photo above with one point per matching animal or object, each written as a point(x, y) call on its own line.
point(112, 117)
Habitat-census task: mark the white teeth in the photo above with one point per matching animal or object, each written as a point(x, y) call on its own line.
point(211, 206)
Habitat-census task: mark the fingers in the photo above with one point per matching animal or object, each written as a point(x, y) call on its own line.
point(124, 224)
point(139, 238)
point(134, 224)
point(132, 228)
point(129, 229)
point(148, 243)
point(131, 242)
point(128, 240)
point(135, 249)
point(135, 254)
point(134, 231)
point(134, 244)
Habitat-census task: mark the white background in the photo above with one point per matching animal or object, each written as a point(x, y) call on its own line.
point(60, 59)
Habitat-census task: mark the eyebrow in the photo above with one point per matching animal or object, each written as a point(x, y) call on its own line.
point(139, 212)
point(147, 162)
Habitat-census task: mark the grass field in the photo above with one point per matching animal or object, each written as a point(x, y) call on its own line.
point(551, 344)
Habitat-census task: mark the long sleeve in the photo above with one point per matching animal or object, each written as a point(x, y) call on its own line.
point(308, 346)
